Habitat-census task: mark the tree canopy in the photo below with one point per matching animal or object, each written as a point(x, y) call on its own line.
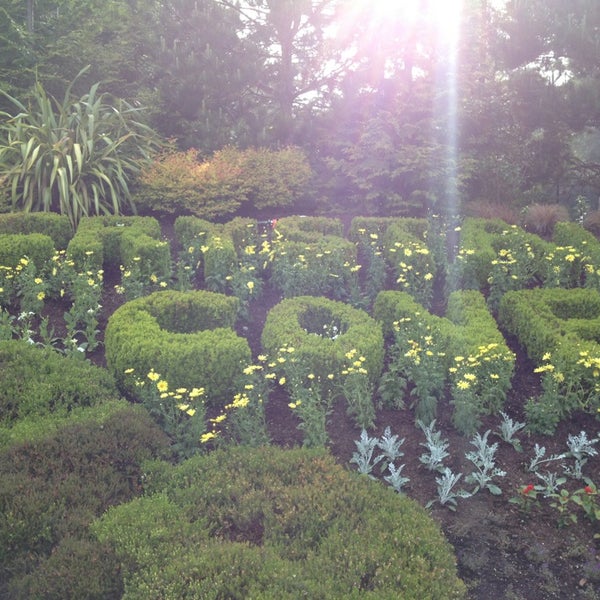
point(395, 103)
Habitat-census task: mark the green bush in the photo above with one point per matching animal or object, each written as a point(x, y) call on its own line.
point(76, 157)
point(271, 523)
point(308, 229)
point(192, 230)
point(37, 247)
point(56, 226)
point(77, 568)
point(307, 323)
point(53, 485)
point(479, 364)
point(187, 337)
point(36, 381)
point(307, 262)
point(118, 240)
point(177, 183)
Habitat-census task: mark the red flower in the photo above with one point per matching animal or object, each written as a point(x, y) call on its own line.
point(527, 489)
point(588, 489)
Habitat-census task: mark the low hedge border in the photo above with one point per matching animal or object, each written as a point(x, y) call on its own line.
point(38, 381)
point(468, 338)
point(117, 241)
point(560, 330)
point(238, 536)
point(55, 483)
point(58, 227)
point(37, 247)
point(186, 337)
point(300, 322)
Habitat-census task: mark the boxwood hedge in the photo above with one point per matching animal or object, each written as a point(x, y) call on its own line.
point(308, 323)
point(274, 524)
point(187, 337)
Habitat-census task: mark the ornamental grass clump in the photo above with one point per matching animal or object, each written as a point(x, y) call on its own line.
point(75, 156)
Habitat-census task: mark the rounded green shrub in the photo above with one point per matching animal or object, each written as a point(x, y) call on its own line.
point(37, 381)
point(56, 482)
point(58, 227)
point(186, 337)
point(273, 523)
point(322, 332)
point(36, 246)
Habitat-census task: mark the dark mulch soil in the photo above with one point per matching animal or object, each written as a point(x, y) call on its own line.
point(502, 552)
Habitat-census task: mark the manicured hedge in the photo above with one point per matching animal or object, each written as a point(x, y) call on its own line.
point(37, 247)
point(58, 227)
point(470, 343)
point(308, 229)
point(277, 524)
point(118, 240)
point(36, 381)
point(303, 323)
point(187, 337)
point(53, 484)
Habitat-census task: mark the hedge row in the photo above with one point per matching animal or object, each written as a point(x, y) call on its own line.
point(467, 341)
point(322, 332)
point(54, 484)
point(186, 337)
point(272, 523)
point(100, 241)
point(35, 382)
point(58, 227)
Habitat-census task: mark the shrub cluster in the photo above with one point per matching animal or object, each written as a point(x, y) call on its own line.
point(322, 332)
point(37, 247)
point(37, 381)
point(54, 484)
point(476, 362)
point(101, 241)
point(560, 330)
point(178, 183)
point(56, 226)
point(286, 524)
point(187, 337)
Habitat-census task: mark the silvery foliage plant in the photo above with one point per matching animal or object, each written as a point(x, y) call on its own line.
point(436, 446)
point(366, 459)
point(483, 458)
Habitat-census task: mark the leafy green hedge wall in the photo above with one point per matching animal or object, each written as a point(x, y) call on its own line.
point(303, 323)
point(58, 227)
point(187, 337)
point(53, 484)
point(271, 523)
point(35, 382)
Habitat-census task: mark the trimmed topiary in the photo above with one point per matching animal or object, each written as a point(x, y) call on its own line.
point(56, 482)
point(277, 524)
point(39, 381)
point(58, 227)
point(118, 240)
point(322, 332)
point(187, 337)
point(39, 248)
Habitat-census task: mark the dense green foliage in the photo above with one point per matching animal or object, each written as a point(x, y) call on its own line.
point(55, 226)
point(395, 114)
point(36, 381)
point(53, 484)
point(240, 537)
point(186, 337)
point(252, 179)
point(76, 157)
point(322, 332)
